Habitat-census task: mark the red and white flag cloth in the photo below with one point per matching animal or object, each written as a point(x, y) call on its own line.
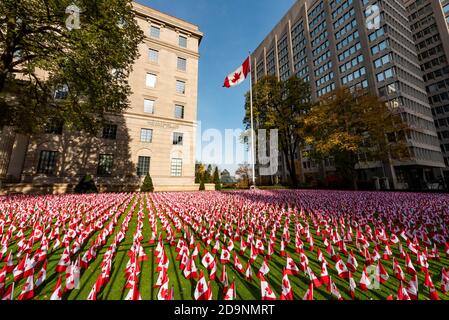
point(3, 278)
point(266, 292)
point(291, 268)
point(398, 273)
point(365, 282)
point(248, 272)
point(203, 290)
point(163, 293)
point(237, 264)
point(287, 292)
point(9, 262)
point(207, 260)
point(41, 276)
point(64, 262)
point(225, 256)
point(324, 278)
point(239, 75)
point(9, 293)
point(28, 289)
point(412, 288)
point(352, 264)
point(381, 274)
point(316, 282)
point(57, 293)
point(402, 293)
point(224, 277)
point(133, 293)
point(332, 288)
point(409, 266)
point(429, 284)
point(309, 293)
point(230, 293)
point(352, 286)
point(264, 269)
point(342, 269)
point(19, 269)
point(444, 281)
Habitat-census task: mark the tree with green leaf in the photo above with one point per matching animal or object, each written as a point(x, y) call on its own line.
point(347, 124)
point(51, 69)
point(216, 179)
point(86, 185)
point(281, 105)
point(147, 185)
point(199, 171)
point(207, 176)
point(202, 186)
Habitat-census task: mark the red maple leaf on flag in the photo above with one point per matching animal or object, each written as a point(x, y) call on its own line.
point(236, 77)
point(268, 291)
point(286, 284)
point(200, 287)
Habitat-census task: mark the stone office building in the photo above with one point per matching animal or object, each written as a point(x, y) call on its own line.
point(156, 135)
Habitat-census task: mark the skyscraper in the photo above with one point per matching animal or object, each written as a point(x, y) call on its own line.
point(429, 25)
point(358, 44)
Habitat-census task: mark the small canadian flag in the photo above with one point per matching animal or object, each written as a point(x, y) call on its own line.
point(239, 75)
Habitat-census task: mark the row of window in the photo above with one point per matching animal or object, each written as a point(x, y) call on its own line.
point(48, 160)
point(155, 32)
point(148, 107)
point(349, 52)
point(343, 43)
point(326, 90)
point(341, 8)
point(351, 64)
point(153, 56)
point(344, 18)
point(353, 76)
point(325, 79)
point(348, 27)
point(151, 81)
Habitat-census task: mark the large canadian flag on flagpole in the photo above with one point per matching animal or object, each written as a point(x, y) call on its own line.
point(239, 75)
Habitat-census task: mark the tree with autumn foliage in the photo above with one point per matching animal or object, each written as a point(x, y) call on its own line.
point(345, 124)
point(281, 105)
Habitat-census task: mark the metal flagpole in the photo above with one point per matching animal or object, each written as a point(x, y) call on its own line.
point(252, 122)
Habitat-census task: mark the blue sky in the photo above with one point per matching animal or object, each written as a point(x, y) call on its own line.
point(231, 29)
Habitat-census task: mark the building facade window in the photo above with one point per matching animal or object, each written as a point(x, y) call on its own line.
point(178, 138)
point(180, 87)
point(54, 127)
point(143, 166)
point(148, 106)
point(179, 111)
point(155, 32)
point(105, 164)
point(61, 92)
point(182, 41)
point(47, 162)
point(182, 64)
point(153, 55)
point(110, 131)
point(176, 167)
point(146, 135)
point(151, 80)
